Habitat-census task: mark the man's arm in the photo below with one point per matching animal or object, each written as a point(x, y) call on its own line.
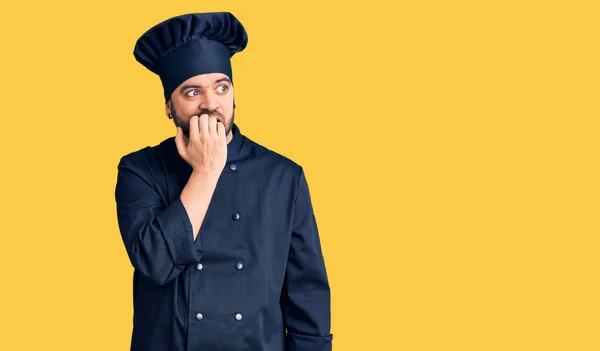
point(159, 239)
point(306, 294)
point(196, 196)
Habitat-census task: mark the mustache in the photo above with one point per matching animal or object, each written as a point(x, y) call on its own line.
point(220, 118)
point(210, 114)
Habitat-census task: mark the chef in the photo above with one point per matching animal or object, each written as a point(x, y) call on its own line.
point(219, 229)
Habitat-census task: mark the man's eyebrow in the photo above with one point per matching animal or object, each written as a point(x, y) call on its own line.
point(185, 87)
point(224, 79)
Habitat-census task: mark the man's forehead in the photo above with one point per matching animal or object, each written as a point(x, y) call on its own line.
point(206, 79)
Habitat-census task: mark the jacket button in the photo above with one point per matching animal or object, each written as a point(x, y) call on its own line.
point(239, 265)
point(199, 316)
point(199, 266)
point(235, 216)
point(232, 167)
point(238, 317)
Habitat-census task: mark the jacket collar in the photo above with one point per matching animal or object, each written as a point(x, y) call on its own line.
point(234, 147)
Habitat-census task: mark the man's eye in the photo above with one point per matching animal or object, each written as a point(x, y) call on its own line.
point(222, 88)
point(193, 93)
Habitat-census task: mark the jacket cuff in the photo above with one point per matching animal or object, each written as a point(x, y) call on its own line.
point(297, 342)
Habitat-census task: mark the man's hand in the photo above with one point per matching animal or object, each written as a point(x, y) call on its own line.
point(206, 149)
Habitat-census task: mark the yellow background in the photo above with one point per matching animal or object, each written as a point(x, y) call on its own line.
point(451, 149)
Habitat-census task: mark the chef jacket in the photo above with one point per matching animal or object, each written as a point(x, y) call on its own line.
point(255, 277)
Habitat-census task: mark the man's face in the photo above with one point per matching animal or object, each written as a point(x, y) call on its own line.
point(210, 94)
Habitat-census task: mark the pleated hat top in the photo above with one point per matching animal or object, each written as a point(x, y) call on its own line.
point(188, 45)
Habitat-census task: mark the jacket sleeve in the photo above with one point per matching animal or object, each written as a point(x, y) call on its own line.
point(158, 237)
point(306, 294)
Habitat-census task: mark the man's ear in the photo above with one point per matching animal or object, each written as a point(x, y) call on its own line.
point(168, 109)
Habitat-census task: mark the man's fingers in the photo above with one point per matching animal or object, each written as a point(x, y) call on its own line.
point(212, 126)
point(221, 131)
point(194, 125)
point(179, 142)
point(203, 122)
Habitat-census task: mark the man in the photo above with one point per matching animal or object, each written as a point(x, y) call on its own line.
point(219, 229)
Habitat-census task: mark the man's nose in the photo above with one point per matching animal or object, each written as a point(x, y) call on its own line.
point(210, 102)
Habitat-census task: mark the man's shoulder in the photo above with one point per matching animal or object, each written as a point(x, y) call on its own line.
point(160, 152)
point(146, 154)
point(274, 158)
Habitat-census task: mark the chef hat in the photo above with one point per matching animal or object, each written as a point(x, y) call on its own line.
point(188, 45)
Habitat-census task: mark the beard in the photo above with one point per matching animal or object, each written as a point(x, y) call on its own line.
point(185, 127)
